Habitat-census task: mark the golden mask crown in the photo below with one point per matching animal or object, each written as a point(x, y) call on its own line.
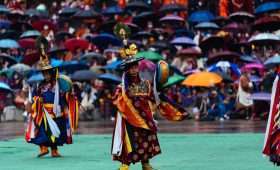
point(123, 32)
point(42, 45)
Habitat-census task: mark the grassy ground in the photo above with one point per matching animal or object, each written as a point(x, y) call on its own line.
point(180, 152)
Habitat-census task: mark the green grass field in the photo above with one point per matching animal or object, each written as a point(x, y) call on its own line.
point(179, 152)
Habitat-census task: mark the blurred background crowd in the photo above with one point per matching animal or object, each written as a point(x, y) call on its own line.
point(223, 54)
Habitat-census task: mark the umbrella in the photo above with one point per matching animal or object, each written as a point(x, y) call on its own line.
point(224, 55)
point(5, 24)
point(84, 75)
point(261, 96)
point(248, 59)
point(267, 23)
point(251, 66)
point(174, 79)
point(55, 50)
point(142, 34)
point(8, 43)
point(112, 10)
point(5, 87)
point(226, 78)
point(186, 41)
point(222, 66)
point(91, 55)
point(203, 79)
point(110, 78)
point(190, 52)
point(267, 7)
point(241, 15)
point(31, 58)
point(264, 38)
point(272, 62)
point(35, 78)
point(40, 25)
point(27, 43)
point(234, 27)
point(254, 78)
point(104, 40)
point(207, 25)
point(149, 55)
point(4, 9)
point(183, 33)
point(201, 16)
point(30, 34)
point(68, 11)
point(72, 66)
point(143, 17)
point(136, 6)
point(212, 41)
point(56, 62)
point(172, 18)
point(63, 35)
point(75, 43)
point(172, 8)
point(20, 68)
point(86, 14)
point(21, 26)
point(8, 58)
point(113, 66)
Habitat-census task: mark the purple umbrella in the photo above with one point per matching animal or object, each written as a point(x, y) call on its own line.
point(183, 41)
point(261, 96)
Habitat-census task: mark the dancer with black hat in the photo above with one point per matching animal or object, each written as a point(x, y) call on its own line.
point(54, 112)
point(135, 135)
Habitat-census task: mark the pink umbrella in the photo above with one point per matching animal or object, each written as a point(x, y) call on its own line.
point(253, 66)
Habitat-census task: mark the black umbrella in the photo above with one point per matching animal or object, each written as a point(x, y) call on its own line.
point(67, 11)
point(91, 55)
point(87, 14)
point(84, 75)
point(63, 35)
point(172, 8)
point(137, 5)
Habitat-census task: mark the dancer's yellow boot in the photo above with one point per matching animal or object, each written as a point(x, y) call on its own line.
point(147, 166)
point(124, 167)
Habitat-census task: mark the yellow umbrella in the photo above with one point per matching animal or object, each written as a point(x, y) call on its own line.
point(203, 79)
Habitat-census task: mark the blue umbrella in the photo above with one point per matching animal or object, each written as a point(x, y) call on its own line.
point(8, 58)
point(113, 66)
point(201, 16)
point(72, 66)
point(207, 25)
point(267, 7)
point(30, 33)
point(5, 24)
point(112, 10)
point(56, 62)
point(4, 9)
point(108, 77)
point(35, 78)
point(68, 11)
point(222, 65)
point(8, 43)
point(104, 39)
point(84, 75)
point(272, 62)
point(5, 87)
point(183, 41)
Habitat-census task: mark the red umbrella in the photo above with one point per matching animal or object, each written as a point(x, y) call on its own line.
point(27, 43)
point(75, 43)
point(40, 24)
point(31, 58)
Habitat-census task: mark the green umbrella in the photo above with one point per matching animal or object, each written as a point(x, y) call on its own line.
point(175, 79)
point(150, 55)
